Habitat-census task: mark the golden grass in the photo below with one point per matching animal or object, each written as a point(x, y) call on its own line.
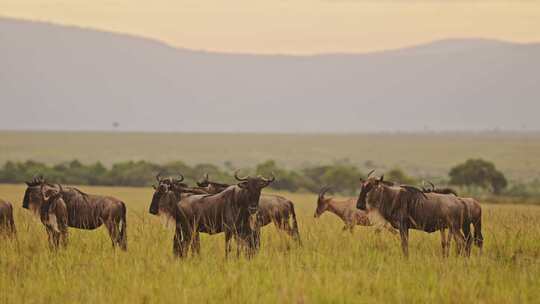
point(332, 266)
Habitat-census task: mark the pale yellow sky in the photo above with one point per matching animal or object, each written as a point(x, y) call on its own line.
point(295, 26)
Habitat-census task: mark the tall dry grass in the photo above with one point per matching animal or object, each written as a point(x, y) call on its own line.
point(332, 266)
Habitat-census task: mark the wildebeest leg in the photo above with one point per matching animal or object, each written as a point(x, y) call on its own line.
point(459, 238)
point(177, 245)
point(468, 238)
point(114, 233)
point(444, 243)
point(53, 238)
point(404, 233)
point(196, 244)
point(228, 236)
point(478, 238)
point(122, 237)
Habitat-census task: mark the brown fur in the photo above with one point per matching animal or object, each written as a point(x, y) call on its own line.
point(54, 216)
point(473, 216)
point(84, 211)
point(272, 209)
point(406, 207)
point(7, 223)
point(230, 211)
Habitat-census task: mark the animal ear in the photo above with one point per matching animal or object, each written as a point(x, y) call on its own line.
point(28, 184)
point(381, 179)
point(242, 185)
point(154, 186)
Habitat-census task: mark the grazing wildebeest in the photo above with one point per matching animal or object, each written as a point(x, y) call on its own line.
point(7, 223)
point(346, 210)
point(473, 216)
point(272, 209)
point(407, 207)
point(231, 211)
point(53, 214)
point(85, 211)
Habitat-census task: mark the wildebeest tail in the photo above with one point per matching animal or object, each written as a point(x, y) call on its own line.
point(123, 233)
point(478, 238)
point(295, 231)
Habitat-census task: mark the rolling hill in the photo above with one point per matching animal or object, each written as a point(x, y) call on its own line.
point(56, 77)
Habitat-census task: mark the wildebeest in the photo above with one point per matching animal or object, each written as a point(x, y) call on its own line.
point(407, 207)
point(346, 210)
point(272, 209)
point(231, 211)
point(473, 216)
point(7, 223)
point(84, 211)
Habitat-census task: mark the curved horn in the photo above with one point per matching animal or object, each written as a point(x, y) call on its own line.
point(43, 193)
point(271, 180)
point(432, 186)
point(181, 178)
point(241, 179)
point(203, 182)
point(370, 172)
point(158, 177)
point(381, 178)
point(60, 188)
point(323, 192)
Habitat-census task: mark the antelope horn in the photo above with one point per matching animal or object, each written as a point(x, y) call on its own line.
point(432, 186)
point(323, 192)
point(241, 179)
point(370, 172)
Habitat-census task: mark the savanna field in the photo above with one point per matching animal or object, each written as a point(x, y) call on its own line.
point(331, 267)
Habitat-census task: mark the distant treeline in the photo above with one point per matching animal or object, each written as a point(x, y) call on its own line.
point(470, 176)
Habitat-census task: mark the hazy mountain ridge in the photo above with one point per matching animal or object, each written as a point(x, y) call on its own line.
point(57, 77)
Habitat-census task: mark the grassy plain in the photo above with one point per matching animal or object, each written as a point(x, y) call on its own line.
point(332, 266)
point(426, 155)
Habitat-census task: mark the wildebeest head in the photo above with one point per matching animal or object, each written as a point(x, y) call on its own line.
point(322, 202)
point(32, 196)
point(50, 193)
point(160, 192)
point(367, 186)
point(211, 187)
point(253, 187)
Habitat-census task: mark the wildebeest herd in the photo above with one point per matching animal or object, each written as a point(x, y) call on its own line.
point(240, 210)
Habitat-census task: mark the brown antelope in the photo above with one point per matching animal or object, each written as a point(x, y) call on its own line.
point(346, 210)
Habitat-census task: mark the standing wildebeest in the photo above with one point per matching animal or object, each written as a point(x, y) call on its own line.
point(346, 210)
point(473, 216)
point(272, 209)
point(7, 223)
point(231, 211)
point(407, 207)
point(84, 211)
